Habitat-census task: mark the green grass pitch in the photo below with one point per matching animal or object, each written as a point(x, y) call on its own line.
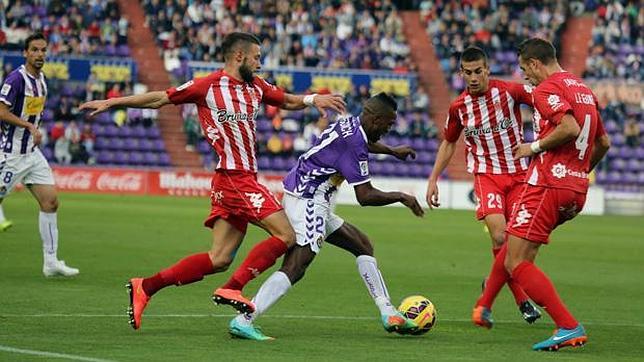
point(595, 262)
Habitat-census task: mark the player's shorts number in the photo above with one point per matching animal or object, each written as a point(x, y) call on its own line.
point(494, 201)
point(7, 177)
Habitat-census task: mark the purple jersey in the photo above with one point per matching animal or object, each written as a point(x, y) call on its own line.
point(340, 153)
point(25, 96)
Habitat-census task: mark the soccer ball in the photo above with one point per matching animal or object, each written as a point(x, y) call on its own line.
point(421, 311)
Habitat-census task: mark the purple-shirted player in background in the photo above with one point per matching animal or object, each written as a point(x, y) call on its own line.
point(22, 101)
point(341, 152)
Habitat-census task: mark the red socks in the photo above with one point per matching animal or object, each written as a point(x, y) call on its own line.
point(496, 280)
point(260, 258)
point(542, 291)
point(499, 277)
point(188, 270)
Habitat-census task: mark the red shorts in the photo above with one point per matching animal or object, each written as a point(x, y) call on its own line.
point(496, 194)
point(541, 209)
point(237, 197)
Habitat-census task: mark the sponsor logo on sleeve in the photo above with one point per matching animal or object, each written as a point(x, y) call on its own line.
point(6, 88)
point(364, 168)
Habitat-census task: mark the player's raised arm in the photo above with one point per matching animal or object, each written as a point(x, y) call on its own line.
point(368, 195)
point(154, 99)
point(8, 117)
point(400, 152)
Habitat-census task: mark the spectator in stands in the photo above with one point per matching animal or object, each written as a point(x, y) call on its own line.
point(88, 139)
point(313, 130)
point(61, 143)
point(115, 91)
point(632, 133)
point(191, 125)
point(76, 149)
point(420, 127)
point(274, 144)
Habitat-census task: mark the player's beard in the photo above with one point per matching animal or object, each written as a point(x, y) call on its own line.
point(246, 72)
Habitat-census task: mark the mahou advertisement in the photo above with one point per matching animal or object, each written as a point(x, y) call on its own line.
point(168, 183)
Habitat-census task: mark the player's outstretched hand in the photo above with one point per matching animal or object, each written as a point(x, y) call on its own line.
point(522, 150)
point(432, 195)
point(412, 204)
point(334, 102)
point(97, 106)
point(402, 152)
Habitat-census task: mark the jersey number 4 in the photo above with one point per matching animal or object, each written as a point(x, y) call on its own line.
point(582, 139)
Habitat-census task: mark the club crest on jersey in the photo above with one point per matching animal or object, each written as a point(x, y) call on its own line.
point(554, 102)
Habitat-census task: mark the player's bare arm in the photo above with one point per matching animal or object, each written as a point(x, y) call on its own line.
point(8, 117)
point(154, 100)
point(567, 130)
point(368, 195)
point(602, 144)
point(400, 152)
point(444, 155)
point(322, 102)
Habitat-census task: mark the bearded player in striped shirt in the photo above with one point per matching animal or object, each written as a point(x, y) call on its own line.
point(228, 101)
point(488, 112)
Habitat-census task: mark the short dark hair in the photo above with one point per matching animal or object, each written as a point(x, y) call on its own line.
point(232, 40)
point(472, 54)
point(32, 37)
point(537, 48)
point(381, 103)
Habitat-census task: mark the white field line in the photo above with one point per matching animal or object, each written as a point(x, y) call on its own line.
point(50, 354)
point(291, 316)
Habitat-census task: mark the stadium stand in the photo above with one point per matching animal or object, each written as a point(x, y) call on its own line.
point(496, 27)
point(617, 47)
point(72, 27)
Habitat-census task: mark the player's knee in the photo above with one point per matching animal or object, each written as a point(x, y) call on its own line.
point(498, 238)
point(287, 236)
point(49, 205)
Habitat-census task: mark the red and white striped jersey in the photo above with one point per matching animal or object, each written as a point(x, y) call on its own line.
point(492, 124)
point(227, 111)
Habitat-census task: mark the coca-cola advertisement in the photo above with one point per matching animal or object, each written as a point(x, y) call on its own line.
point(168, 183)
point(97, 180)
